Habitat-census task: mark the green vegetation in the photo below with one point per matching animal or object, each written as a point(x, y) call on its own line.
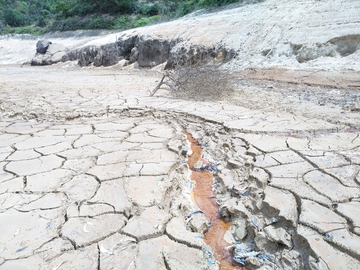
point(39, 16)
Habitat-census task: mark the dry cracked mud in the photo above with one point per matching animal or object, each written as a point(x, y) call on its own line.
point(93, 173)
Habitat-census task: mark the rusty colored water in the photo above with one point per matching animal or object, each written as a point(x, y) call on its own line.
point(204, 197)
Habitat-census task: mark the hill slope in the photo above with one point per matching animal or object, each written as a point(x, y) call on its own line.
point(301, 34)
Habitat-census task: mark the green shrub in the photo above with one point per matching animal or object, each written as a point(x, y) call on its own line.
point(123, 22)
point(146, 21)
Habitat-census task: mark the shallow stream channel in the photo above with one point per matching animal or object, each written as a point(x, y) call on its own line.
point(204, 195)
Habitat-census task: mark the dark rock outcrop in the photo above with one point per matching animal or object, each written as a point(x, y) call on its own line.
point(197, 53)
point(54, 53)
point(145, 50)
point(105, 55)
point(42, 46)
point(126, 44)
point(153, 51)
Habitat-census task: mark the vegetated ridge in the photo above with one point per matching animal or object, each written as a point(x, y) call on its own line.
point(38, 17)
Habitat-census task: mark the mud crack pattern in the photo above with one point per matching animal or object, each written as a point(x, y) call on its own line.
point(96, 178)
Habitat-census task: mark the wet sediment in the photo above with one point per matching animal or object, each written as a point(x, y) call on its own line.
point(204, 196)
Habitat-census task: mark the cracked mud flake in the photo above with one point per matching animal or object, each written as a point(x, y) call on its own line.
point(86, 151)
point(91, 210)
point(115, 146)
point(177, 231)
point(79, 129)
point(81, 165)
point(80, 188)
point(12, 185)
point(107, 172)
point(280, 203)
point(83, 258)
point(56, 148)
point(23, 232)
point(319, 217)
point(90, 139)
point(351, 210)
point(113, 193)
point(145, 190)
point(158, 169)
point(4, 175)
point(111, 158)
point(9, 200)
point(149, 224)
point(346, 175)
point(85, 231)
point(23, 155)
point(329, 160)
point(117, 251)
point(10, 139)
point(48, 181)
point(265, 161)
point(330, 187)
point(163, 253)
point(345, 240)
point(143, 138)
point(47, 201)
point(37, 165)
point(26, 127)
point(5, 152)
point(338, 141)
point(101, 127)
point(41, 141)
point(294, 170)
point(265, 143)
point(300, 188)
point(327, 256)
point(286, 157)
point(151, 156)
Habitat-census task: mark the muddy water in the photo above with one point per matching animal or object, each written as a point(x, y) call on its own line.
point(204, 197)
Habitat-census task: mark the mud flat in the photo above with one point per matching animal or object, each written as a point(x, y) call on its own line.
point(94, 173)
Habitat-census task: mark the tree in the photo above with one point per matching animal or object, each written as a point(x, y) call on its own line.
point(14, 17)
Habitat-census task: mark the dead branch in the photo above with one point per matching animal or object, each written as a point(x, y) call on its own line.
point(166, 74)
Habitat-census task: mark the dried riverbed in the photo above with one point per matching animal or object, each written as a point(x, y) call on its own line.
point(94, 174)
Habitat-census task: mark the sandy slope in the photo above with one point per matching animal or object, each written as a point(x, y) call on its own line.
point(281, 27)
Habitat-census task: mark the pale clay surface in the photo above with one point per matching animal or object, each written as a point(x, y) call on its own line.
point(93, 176)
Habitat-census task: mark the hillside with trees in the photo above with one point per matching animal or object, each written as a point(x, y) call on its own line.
point(41, 16)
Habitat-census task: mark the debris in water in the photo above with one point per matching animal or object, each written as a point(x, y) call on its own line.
point(329, 235)
point(48, 225)
point(255, 223)
point(245, 193)
point(209, 253)
point(20, 249)
point(85, 229)
point(274, 220)
point(241, 254)
point(195, 212)
point(159, 180)
point(57, 267)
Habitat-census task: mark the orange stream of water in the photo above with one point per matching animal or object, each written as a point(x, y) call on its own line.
point(204, 197)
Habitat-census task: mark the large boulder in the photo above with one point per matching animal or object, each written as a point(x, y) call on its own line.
point(42, 46)
point(153, 51)
point(105, 55)
point(53, 54)
point(126, 45)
